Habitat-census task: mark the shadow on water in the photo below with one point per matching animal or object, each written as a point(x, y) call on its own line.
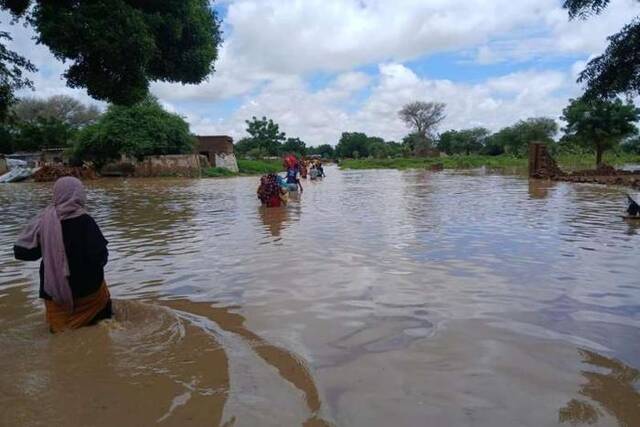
point(153, 364)
point(612, 385)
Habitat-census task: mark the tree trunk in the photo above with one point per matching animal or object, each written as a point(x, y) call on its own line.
point(599, 152)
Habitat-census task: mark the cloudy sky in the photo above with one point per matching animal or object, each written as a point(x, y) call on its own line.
point(321, 67)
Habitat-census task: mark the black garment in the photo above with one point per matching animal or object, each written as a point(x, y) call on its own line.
point(87, 254)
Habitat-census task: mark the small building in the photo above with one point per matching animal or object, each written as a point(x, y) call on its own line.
point(218, 149)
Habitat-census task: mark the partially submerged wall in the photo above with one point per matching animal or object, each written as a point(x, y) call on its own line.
point(183, 165)
point(543, 166)
point(226, 161)
point(3, 166)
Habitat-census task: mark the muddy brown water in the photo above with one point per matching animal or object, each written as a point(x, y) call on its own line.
point(379, 298)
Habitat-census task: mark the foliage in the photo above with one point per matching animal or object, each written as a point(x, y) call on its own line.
point(565, 161)
point(7, 139)
point(141, 130)
point(12, 69)
point(423, 117)
point(514, 140)
point(617, 70)
point(599, 124)
point(631, 146)
point(294, 146)
point(259, 167)
point(116, 47)
point(60, 107)
point(417, 143)
point(465, 141)
point(353, 144)
point(324, 150)
point(450, 162)
point(42, 133)
point(244, 146)
point(265, 134)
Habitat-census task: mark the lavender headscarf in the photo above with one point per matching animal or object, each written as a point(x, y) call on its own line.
point(69, 200)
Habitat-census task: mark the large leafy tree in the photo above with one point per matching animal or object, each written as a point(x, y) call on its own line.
point(43, 132)
point(423, 117)
point(600, 124)
point(116, 47)
point(324, 150)
point(515, 139)
point(140, 130)
point(294, 146)
point(60, 107)
point(12, 75)
point(465, 141)
point(265, 135)
point(617, 70)
point(353, 145)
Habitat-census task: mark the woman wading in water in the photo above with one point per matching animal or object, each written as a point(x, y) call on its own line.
point(74, 253)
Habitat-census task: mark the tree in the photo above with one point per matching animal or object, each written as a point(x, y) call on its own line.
point(12, 69)
point(423, 117)
point(60, 107)
point(266, 135)
point(466, 141)
point(600, 124)
point(141, 130)
point(116, 47)
point(324, 150)
point(42, 133)
point(631, 146)
point(244, 145)
point(515, 139)
point(294, 146)
point(617, 70)
point(353, 144)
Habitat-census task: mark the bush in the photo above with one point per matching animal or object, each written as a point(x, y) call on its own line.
point(144, 129)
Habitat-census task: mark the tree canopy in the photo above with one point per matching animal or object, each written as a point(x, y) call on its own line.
point(600, 124)
point(515, 139)
point(465, 141)
point(617, 70)
point(13, 67)
point(116, 47)
point(141, 130)
point(265, 135)
point(60, 107)
point(423, 117)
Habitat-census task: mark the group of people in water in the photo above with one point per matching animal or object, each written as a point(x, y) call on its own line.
point(274, 190)
point(74, 251)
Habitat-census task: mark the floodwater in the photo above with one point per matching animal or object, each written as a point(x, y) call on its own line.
point(379, 298)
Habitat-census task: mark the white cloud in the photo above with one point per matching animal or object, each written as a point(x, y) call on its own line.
point(319, 119)
point(273, 47)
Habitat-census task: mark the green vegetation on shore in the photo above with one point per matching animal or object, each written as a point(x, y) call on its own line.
point(259, 167)
point(246, 167)
point(565, 161)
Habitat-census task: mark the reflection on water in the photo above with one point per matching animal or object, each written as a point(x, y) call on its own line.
point(377, 298)
point(612, 385)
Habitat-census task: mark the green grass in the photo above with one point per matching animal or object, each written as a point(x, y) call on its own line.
point(246, 167)
point(567, 162)
point(572, 162)
point(259, 167)
point(450, 162)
